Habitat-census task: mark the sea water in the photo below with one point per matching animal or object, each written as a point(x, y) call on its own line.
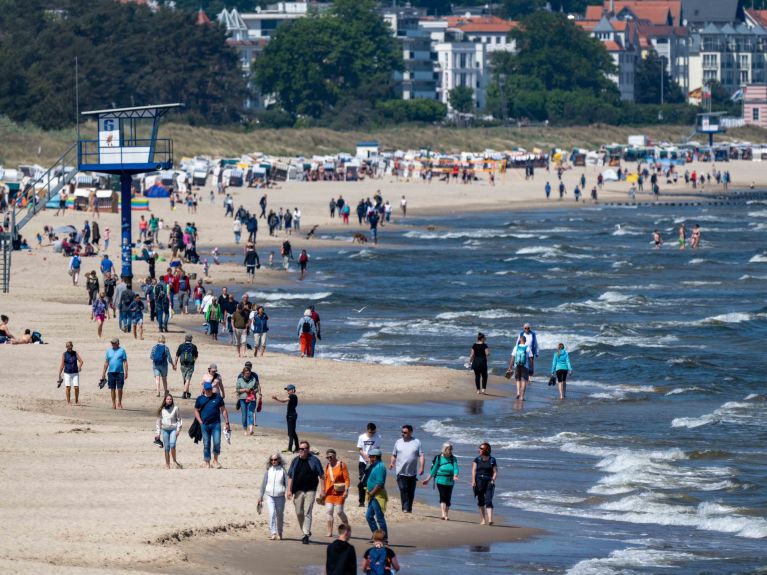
point(656, 461)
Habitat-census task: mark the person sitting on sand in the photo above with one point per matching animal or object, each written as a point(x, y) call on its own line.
point(26, 338)
point(5, 334)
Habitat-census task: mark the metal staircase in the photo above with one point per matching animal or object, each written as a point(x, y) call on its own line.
point(30, 200)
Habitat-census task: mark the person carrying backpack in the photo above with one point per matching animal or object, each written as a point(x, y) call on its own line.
point(379, 559)
point(161, 358)
point(444, 471)
point(162, 304)
point(521, 365)
point(74, 269)
point(306, 331)
point(186, 356)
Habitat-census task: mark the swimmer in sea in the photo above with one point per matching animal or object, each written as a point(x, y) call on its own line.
point(695, 239)
point(656, 237)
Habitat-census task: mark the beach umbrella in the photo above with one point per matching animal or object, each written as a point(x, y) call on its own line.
point(65, 230)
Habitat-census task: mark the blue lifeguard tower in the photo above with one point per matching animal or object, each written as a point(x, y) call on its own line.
point(126, 144)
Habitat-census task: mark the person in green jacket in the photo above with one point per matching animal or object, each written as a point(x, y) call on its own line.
point(444, 470)
point(560, 366)
point(213, 316)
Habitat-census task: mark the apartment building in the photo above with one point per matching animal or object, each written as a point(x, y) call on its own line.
point(419, 76)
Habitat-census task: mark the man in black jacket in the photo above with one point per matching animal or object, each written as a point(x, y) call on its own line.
point(341, 556)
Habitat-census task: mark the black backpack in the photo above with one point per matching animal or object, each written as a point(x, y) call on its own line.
point(306, 327)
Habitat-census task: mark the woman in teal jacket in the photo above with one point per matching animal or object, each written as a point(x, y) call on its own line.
point(444, 470)
point(560, 366)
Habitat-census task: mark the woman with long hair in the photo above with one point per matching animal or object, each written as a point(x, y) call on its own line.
point(273, 489)
point(167, 428)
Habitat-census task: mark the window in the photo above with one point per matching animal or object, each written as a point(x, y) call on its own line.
point(743, 61)
point(755, 114)
point(709, 75)
point(710, 60)
point(743, 77)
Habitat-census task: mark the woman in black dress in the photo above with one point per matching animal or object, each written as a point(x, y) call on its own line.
point(478, 362)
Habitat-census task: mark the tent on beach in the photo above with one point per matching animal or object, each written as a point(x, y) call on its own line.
point(157, 191)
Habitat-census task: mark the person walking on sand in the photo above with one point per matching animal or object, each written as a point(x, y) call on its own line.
point(99, 312)
point(74, 268)
point(273, 488)
point(167, 429)
point(213, 316)
point(240, 326)
point(521, 364)
point(136, 311)
point(251, 262)
point(248, 392)
point(444, 471)
point(366, 441)
point(69, 372)
point(162, 304)
point(560, 368)
point(484, 472)
point(305, 478)
point(92, 285)
point(403, 206)
point(337, 484)
point(259, 324)
point(291, 416)
point(657, 239)
point(377, 498)
point(161, 358)
point(379, 559)
point(340, 556)
point(478, 362)
point(208, 410)
point(115, 372)
point(306, 331)
point(186, 357)
point(303, 261)
point(215, 379)
point(407, 457)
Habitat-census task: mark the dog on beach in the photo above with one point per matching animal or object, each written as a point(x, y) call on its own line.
point(310, 235)
point(359, 238)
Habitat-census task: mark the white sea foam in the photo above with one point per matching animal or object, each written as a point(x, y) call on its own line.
point(482, 314)
point(747, 277)
point(695, 261)
point(759, 214)
point(747, 412)
point(259, 296)
point(733, 317)
point(758, 259)
point(468, 234)
point(701, 283)
point(619, 561)
point(364, 254)
point(678, 390)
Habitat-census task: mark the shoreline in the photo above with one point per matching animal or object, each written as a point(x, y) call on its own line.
point(111, 472)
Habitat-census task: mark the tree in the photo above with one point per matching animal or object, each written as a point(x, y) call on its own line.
point(155, 57)
point(516, 9)
point(461, 99)
point(345, 57)
point(557, 55)
point(647, 82)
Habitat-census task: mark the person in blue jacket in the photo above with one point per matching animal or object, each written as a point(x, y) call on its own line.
point(532, 340)
point(560, 366)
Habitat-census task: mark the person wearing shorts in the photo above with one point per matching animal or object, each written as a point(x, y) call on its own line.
point(115, 372)
point(240, 325)
point(522, 366)
point(69, 372)
point(337, 484)
point(560, 367)
point(161, 358)
point(186, 357)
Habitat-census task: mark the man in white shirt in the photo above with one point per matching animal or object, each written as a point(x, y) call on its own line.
point(367, 441)
point(407, 455)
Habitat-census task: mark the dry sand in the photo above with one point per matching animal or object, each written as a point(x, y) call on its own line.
point(84, 490)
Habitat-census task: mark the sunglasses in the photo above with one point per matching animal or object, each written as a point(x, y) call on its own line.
point(303, 449)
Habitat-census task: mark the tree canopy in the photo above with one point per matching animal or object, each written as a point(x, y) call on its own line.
point(343, 57)
point(126, 54)
point(647, 82)
point(461, 99)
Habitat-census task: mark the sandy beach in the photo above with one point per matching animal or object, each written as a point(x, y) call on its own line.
point(84, 488)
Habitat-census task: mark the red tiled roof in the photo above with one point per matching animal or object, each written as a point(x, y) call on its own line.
point(759, 16)
point(481, 24)
point(612, 46)
point(202, 18)
point(654, 31)
point(586, 25)
point(594, 12)
point(655, 11)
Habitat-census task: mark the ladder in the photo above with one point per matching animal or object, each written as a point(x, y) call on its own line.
point(30, 200)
